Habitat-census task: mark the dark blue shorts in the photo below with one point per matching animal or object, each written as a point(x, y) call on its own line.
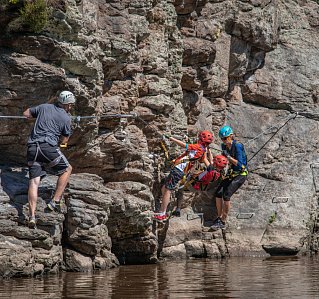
point(173, 178)
point(39, 160)
point(229, 186)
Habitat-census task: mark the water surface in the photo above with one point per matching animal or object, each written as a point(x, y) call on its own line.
point(230, 278)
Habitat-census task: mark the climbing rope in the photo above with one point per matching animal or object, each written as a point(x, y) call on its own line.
point(273, 135)
point(266, 131)
point(77, 120)
point(12, 116)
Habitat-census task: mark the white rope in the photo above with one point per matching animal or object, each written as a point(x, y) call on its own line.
point(12, 116)
point(79, 118)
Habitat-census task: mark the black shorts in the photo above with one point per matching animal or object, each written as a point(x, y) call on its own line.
point(229, 186)
point(173, 178)
point(39, 160)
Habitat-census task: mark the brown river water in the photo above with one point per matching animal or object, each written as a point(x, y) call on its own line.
point(284, 277)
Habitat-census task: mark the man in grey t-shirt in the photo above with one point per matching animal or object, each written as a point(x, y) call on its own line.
point(52, 126)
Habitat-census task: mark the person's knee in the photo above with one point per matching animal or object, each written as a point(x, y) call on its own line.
point(67, 172)
point(167, 192)
point(34, 183)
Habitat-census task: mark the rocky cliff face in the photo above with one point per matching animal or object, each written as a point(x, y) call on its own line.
point(181, 66)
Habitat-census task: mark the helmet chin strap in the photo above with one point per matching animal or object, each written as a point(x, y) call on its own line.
point(203, 143)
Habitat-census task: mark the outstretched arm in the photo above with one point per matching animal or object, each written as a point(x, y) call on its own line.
point(178, 142)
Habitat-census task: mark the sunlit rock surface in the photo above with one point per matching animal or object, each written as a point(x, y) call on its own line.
point(181, 66)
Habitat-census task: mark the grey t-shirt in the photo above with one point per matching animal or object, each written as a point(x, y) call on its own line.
point(51, 122)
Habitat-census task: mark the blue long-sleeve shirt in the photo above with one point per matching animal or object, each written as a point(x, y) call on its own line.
point(237, 151)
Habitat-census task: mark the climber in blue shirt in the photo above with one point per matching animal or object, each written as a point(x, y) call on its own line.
point(236, 175)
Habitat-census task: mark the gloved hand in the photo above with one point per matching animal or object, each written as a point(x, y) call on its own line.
point(226, 154)
point(165, 135)
point(63, 145)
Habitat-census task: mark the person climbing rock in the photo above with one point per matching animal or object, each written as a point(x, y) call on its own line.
point(212, 174)
point(195, 153)
point(52, 127)
point(236, 176)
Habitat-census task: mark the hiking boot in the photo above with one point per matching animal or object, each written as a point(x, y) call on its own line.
point(32, 222)
point(218, 224)
point(55, 205)
point(176, 213)
point(160, 218)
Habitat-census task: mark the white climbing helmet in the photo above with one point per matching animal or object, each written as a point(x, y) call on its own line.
point(66, 97)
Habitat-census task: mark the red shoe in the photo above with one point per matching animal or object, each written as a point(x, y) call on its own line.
point(160, 218)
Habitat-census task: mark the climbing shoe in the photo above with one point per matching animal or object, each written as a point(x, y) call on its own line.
point(32, 222)
point(176, 213)
point(55, 205)
point(160, 218)
point(218, 224)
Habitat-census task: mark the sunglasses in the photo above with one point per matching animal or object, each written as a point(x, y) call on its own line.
point(225, 138)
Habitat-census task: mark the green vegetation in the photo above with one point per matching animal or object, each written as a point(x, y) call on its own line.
point(272, 217)
point(29, 15)
point(34, 14)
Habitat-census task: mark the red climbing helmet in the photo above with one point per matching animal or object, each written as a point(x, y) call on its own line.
point(220, 162)
point(206, 137)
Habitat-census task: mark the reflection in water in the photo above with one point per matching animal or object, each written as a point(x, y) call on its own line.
point(231, 278)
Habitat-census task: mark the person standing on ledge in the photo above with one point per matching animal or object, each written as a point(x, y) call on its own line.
point(236, 176)
point(52, 127)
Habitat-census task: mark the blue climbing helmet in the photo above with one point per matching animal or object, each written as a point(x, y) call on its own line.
point(225, 131)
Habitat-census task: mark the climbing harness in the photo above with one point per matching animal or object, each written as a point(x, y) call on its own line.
point(191, 176)
point(231, 173)
point(50, 164)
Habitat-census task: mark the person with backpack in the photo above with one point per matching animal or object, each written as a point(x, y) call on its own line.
point(52, 127)
point(194, 154)
point(236, 176)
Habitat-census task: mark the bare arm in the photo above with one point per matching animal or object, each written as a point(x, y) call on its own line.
point(27, 113)
point(210, 156)
point(206, 162)
point(178, 142)
point(233, 161)
point(64, 139)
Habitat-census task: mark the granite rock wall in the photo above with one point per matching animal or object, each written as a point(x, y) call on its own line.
point(180, 66)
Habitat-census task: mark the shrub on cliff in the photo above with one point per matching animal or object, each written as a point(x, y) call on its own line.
point(34, 14)
point(30, 15)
